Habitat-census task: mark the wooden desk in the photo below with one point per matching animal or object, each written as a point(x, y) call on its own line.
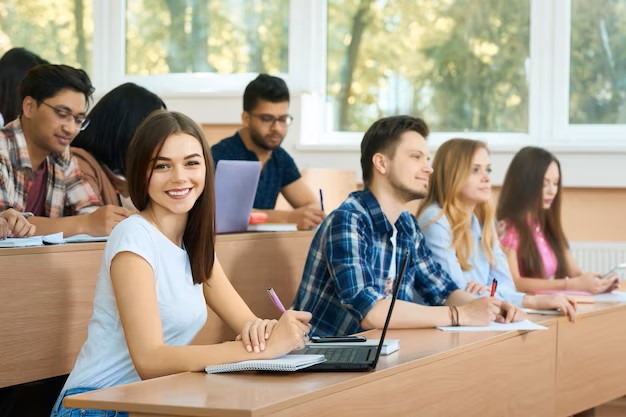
point(470, 374)
point(45, 304)
point(591, 364)
point(567, 369)
point(47, 294)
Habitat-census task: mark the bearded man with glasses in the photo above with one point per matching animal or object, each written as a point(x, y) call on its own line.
point(38, 175)
point(265, 120)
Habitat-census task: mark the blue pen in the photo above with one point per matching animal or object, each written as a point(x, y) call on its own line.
point(321, 200)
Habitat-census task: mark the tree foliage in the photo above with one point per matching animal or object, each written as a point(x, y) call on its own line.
point(598, 62)
point(461, 64)
point(223, 36)
point(60, 31)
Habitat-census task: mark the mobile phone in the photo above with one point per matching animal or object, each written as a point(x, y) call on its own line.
point(333, 339)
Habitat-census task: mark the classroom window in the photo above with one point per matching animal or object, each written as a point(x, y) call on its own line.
point(460, 64)
point(206, 36)
point(59, 31)
point(598, 62)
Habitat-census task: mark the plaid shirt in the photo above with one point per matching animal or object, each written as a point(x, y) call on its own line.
point(66, 191)
point(346, 270)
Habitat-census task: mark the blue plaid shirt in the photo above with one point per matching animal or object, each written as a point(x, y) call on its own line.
point(346, 270)
point(279, 171)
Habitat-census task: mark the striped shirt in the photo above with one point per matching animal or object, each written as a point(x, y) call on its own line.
point(66, 191)
point(347, 269)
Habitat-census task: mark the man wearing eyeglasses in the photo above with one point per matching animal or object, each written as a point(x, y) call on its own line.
point(265, 120)
point(38, 176)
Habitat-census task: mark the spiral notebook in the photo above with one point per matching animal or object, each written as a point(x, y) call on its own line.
point(287, 363)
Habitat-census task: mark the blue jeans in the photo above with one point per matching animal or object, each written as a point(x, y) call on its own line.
point(60, 411)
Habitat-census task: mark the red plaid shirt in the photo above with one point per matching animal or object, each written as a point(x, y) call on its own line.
point(66, 192)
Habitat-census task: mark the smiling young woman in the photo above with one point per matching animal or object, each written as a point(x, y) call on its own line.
point(159, 272)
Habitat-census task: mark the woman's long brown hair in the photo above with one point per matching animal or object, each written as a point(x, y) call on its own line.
point(521, 205)
point(199, 234)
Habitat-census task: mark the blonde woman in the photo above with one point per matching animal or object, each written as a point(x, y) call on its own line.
point(458, 221)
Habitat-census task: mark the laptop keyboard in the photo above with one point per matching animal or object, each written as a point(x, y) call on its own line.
point(334, 355)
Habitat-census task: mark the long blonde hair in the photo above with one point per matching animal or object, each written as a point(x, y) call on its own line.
point(451, 168)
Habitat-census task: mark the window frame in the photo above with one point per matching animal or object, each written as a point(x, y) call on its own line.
point(582, 136)
point(599, 147)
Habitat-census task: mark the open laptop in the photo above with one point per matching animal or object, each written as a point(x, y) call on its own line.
point(351, 356)
point(235, 187)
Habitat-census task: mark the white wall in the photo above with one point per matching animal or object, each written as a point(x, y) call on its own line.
point(585, 165)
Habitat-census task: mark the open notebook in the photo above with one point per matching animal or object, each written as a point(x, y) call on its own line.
point(52, 239)
point(287, 363)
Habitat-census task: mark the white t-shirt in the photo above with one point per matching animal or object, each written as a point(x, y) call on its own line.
point(104, 360)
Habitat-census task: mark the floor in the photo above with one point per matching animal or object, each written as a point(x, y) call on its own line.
point(615, 408)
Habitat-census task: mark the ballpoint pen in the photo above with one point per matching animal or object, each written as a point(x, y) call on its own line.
point(494, 286)
point(321, 200)
point(275, 299)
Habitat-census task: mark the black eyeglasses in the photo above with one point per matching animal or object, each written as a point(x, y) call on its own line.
point(269, 120)
point(67, 117)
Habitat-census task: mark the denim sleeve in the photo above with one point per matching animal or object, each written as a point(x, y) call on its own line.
point(431, 281)
point(438, 238)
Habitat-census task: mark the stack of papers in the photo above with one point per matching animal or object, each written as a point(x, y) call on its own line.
point(495, 327)
point(21, 242)
point(53, 239)
point(273, 227)
point(612, 297)
point(542, 312)
point(581, 297)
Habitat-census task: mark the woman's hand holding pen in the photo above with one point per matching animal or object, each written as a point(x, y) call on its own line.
point(290, 333)
point(255, 333)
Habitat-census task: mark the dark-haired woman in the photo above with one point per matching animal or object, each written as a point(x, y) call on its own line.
point(100, 150)
point(159, 272)
point(530, 230)
point(14, 65)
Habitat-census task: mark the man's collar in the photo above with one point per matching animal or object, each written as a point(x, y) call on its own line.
point(381, 223)
point(380, 220)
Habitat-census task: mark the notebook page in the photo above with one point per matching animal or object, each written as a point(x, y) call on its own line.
point(495, 327)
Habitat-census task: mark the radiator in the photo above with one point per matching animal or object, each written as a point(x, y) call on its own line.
point(599, 256)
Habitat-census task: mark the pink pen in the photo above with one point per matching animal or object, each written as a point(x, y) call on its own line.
point(275, 299)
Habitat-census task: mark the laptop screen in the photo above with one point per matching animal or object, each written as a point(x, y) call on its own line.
point(396, 290)
point(235, 187)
